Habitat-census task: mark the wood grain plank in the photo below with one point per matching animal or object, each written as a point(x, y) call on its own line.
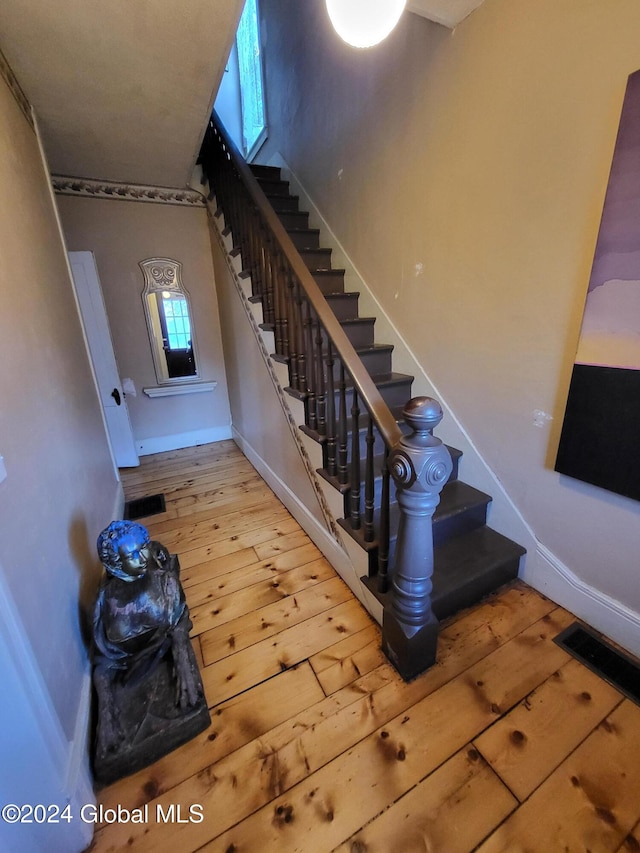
point(189, 537)
point(348, 660)
point(207, 505)
point(222, 609)
point(237, 541)
point(227, 583)
point(234, 724)
point(265, 659)
point(274, 547)
point(218, 643)
point(452, 811)
point(527, 744)
point(365, 778)
point(179, 484)
point(591, 802)
point(235, 772)
point(212, 569)
point(162, 477)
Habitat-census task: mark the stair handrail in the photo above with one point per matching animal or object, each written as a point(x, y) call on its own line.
point(418, 463)
point(369, 393)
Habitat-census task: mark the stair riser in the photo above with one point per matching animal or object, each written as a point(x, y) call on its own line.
point(360, 333)
point(331, 281)
point(318, 259)
point(445, 605)
point(344, 306)
point(284, 204)
point(376, 363)
point(308, 239)
point(294, 219)
point(270, 173)
point(463, 522)
point(274, 187)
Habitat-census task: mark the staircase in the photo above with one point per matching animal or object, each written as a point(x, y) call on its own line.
point(470, 559)
point(378, 448)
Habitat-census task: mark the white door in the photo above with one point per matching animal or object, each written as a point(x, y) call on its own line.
point(96, 327)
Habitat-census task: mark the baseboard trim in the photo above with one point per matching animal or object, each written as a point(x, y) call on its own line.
point(78, 767)
point(164, 443)
point(604, 613)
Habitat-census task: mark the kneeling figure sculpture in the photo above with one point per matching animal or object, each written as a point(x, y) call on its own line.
point(150, 696)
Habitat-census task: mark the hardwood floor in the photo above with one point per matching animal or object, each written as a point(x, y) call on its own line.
point(316, 744)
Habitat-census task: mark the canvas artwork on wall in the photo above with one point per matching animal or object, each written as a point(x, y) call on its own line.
point(600, 440)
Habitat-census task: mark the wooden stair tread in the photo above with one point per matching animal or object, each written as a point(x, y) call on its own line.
point(466, 569)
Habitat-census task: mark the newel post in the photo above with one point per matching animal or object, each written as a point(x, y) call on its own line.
point(420, 464)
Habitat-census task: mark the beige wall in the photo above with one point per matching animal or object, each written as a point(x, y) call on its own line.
point(464, 174)
point(61, 488)
point(121, 234)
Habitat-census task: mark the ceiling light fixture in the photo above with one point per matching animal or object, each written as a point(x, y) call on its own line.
point(363, 23)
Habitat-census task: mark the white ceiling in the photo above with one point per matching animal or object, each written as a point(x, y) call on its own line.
point(449, 13)
point(122, 89)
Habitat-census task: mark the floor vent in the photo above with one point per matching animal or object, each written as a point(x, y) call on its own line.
point(142, 507)
point(602, 658)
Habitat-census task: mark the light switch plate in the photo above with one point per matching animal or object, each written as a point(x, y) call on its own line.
point(3, 470)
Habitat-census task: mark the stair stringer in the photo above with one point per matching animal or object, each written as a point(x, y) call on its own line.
point(349, 561)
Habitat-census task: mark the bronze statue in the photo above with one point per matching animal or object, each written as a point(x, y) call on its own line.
point(145, 674)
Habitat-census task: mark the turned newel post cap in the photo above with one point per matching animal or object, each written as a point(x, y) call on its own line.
point(422, 414)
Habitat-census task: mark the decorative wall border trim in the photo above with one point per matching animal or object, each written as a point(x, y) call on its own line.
point(86, 188)
point(6, 72)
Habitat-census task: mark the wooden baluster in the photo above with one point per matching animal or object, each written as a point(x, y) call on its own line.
point(292, 333)
point(251, 263)
point(343, 471)
point(275, 321)
point(258, 274)
point(383, 532)
point(331, 446)
point(420, 465)
point(321, 389)
point(369, 485)
point(293, 324)
point(354, 480)
point(300, 333)
point(268, 299)
point(283, 305)
point(309, 348)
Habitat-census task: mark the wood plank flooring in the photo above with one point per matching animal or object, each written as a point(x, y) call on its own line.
point(506, 744)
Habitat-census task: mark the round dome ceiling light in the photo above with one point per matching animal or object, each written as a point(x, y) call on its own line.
point(363, 23)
